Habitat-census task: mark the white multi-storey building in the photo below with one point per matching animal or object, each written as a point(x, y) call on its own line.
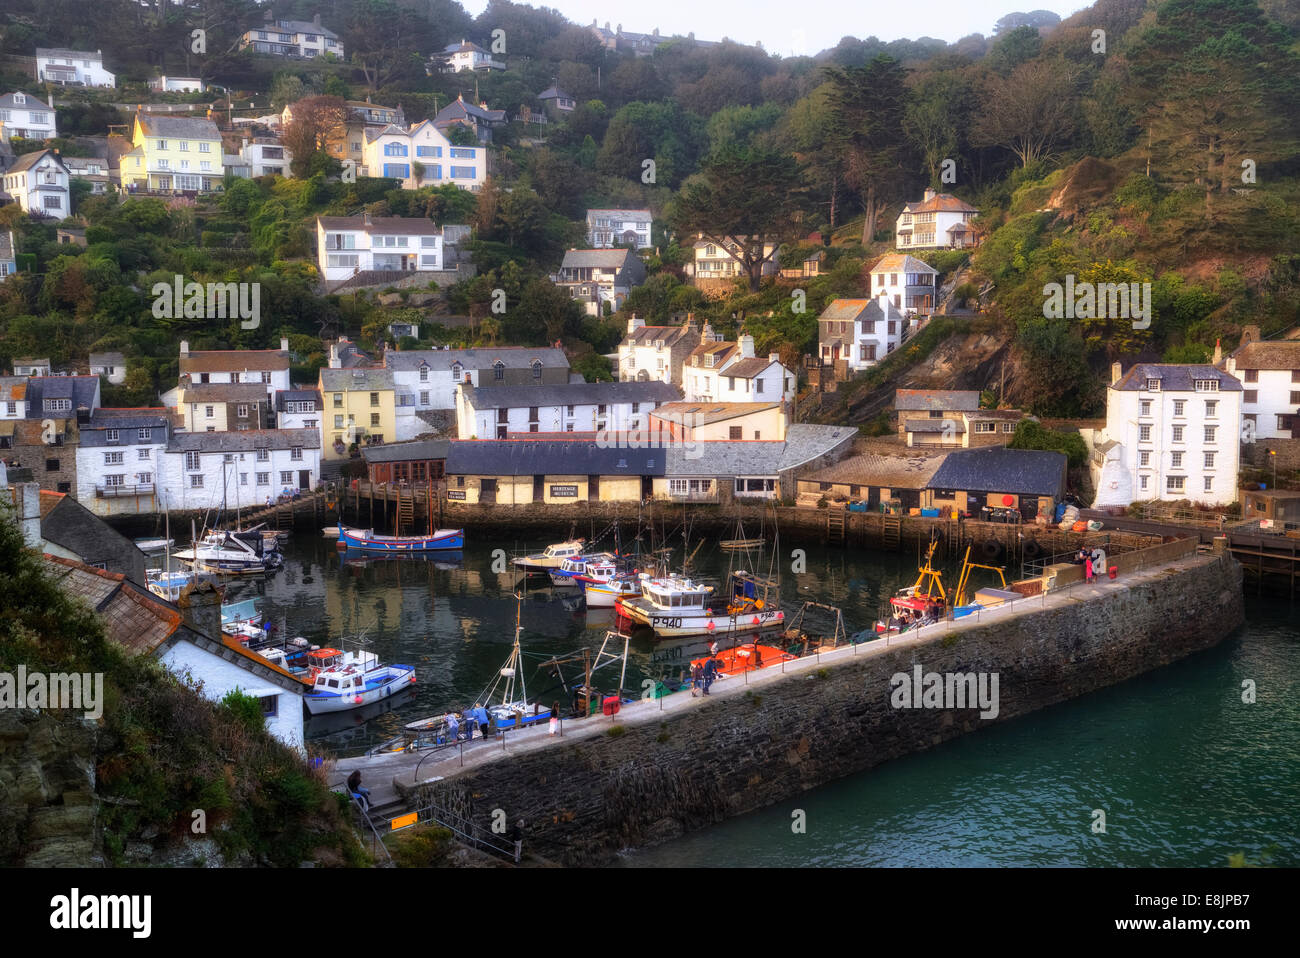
point(293, 38)
point(266, 156)
point(494, 413)
point(605, 228)
point(426, 379)
point(940, 220)
point(267, 366)
point(118, 458)
point(1172, 432)
point(13, 399)
point(906, 282)
point(468, 56)
point(298, 409)
point(713, 261)
point(72, 67)
point(348, 245)
point(658, 352)
point(859, 331)
point(39, 184)
point(1270, 382)
point(28, 117)
point(731, 373)
point(213, 470)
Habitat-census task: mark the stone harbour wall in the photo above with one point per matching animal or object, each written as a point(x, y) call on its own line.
point(584, 798)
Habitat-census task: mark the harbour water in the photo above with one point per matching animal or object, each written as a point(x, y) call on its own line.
point(1186, 773)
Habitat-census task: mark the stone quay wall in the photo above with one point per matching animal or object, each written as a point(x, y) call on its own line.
point(767, 739)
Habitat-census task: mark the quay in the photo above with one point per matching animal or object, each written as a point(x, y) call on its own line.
point(669, 765)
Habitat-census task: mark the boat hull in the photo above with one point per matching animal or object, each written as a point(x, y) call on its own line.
point(444, 541)
point(387, 681)
point(675, 624)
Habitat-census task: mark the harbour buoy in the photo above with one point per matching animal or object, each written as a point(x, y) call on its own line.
point(711, 625)
point(755, 621)
point(357, 700)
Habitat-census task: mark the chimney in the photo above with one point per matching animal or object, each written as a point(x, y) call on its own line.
point(284, 344)
point(334, 355)
point(365, 218)
point(315, 21)
point(1218, 352)
point(1115, 372)
point(634, 324)
point(50, 100)
point(929, 195)
point(1249, 334)
point(746, 344)
point(29, 510)
point(185, 348)
point(690, 321)
point(773, 357)
point(200, 606)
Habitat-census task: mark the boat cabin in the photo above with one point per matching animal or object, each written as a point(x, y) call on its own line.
point(670, 594)
point(562, 550)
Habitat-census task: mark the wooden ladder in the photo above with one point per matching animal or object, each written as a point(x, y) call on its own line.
point(405, 511)
point(835, 521)
point(891, 532)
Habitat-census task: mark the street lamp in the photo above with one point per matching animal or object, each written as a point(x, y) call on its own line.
point(1272, 454)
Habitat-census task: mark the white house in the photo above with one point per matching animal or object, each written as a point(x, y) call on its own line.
point(39, 184)
point(119, 456)
point(938, 221)
point(89, 168)
point(600, 279)
point(268, 366)
point(26, 116)
point(266, 156)
point(859, 331)
point(426, 379)
point(213, 470)
point(605, 228)
point(468, 56)
point(658, 352)
point(73, 67)
point(1270, 382)
point(166, 84)
point(1175, 430)
point(713, 261)
point(423, 156)
point(348, 245)
point(31, 367)
point(495, 412)
point(112, 366)
point(13, 398)
point(293, 38)
point(906, 282)
point(731, 373)
point(298, 409)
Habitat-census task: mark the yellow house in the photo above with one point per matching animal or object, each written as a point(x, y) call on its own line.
point(173, 153)
point(715, 421)
point(360, 407)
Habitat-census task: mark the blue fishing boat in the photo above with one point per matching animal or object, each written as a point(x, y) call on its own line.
point(366, 540)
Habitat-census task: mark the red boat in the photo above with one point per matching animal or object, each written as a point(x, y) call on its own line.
point(745, 658)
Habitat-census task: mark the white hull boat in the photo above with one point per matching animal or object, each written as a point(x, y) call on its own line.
point(351, 680)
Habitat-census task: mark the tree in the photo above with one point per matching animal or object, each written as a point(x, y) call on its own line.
point(931, 121)
point(316, 122)
point(286, 88)
point(1013, 48)
point(381, 37)
point(867, 108)
point(743, 201)
point(1028, 112)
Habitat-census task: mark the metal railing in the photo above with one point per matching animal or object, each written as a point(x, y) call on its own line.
point(113, 492)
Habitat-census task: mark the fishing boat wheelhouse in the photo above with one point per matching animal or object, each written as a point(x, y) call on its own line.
point(549, 559)
point(571, 569)
point(922, 602)
point(347, 680)
point(675, 605)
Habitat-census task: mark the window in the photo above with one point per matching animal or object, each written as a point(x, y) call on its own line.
point(162, 144)
point(1207, 385)
point(207, 412)
point(113, 458)
point(144, 478)
point(52, 202)
point(112, 435)
point(264, 455)
point(296, 453)
point(1174, 483)
point(1295, 398)
point(1178, 433)
point(183, 146)
point(395, 149)
point(1209, 433)
point(462, 172)
point(1250, 396)
point(1175, 460)
point(428, 151)
point(424, 374)
point(58, 405)
point(205, 148)
point(758, 385)
point(338, 421)
point(374, 399)
point(196, 481)
point(1209, 460)
point(144, 435)
point(985, 427)
point(1153, 385)
point(498, 370)
point(191, 460)
point(374, 419)
point(1144, 433)
point(243, 478)
point(1144, 458)
point(424, 398)
point(1142, 482)
point(1145, 405)
point(1209, 483)
point(113, 480)
point(1008, 427)
point(263, 478)
point(241, 412)
point(537, 370)
point(1179, 405)
point(142, 454)
point(51, 465)
point(286, 477)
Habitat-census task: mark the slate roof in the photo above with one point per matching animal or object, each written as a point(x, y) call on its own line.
point(283, 396)
point(344, 380)
point(893, 472)
point(647, 335)
point(28, 160)
point(224, 392)
point(107, 359)
point(940, 203)
point(299, 26)
point(65, 54)
point(13, 388)
point(517, 357)
point(806, 441)
point(459, 109)
point(1274, 354)
point(407, 451)
point(462, 47)
point(748, 368)
point(637, 215)
point(178, 127)
point(569, 394)
point(233, 361)
point(597, 258)
point(244, 441)
point(70, 525)
point(942, 400)
point(704, 413)
point(7, 102)
point(498, 457)
point(902, 263)
point(1175, 378)
point(553, 93)
point(998, 469)
point(82, 390)
point(383, 225)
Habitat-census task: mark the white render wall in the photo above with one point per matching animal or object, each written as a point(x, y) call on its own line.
point(89, 72)
point(241, 487)
point(219, 677)
point(657, 363)
point(364, 251)
point(714, 385)
point(1273, 398)
point(1124, 422)
point(92, 470)
point(474, 423)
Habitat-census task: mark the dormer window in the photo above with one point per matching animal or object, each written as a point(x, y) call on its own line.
point(708, 360)
point(1153, 385)
point(455, 371)
point(424, 373)
point(537, 369)
point(1207, 385)
point(498, 370)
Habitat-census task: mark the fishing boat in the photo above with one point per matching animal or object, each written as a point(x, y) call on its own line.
point(549, 559)
point(745, 658)
point(348, 680)
point(167, 585)
point(244, 621)
point(367, 541)
point(513, 709)
point(603, 594)
point(232, 553)
point(572, 569)
point(921, 603)
point(674, 606)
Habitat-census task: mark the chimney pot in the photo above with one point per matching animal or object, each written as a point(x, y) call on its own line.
point(1115, 372)
point(284, 344)
point(185, 347)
